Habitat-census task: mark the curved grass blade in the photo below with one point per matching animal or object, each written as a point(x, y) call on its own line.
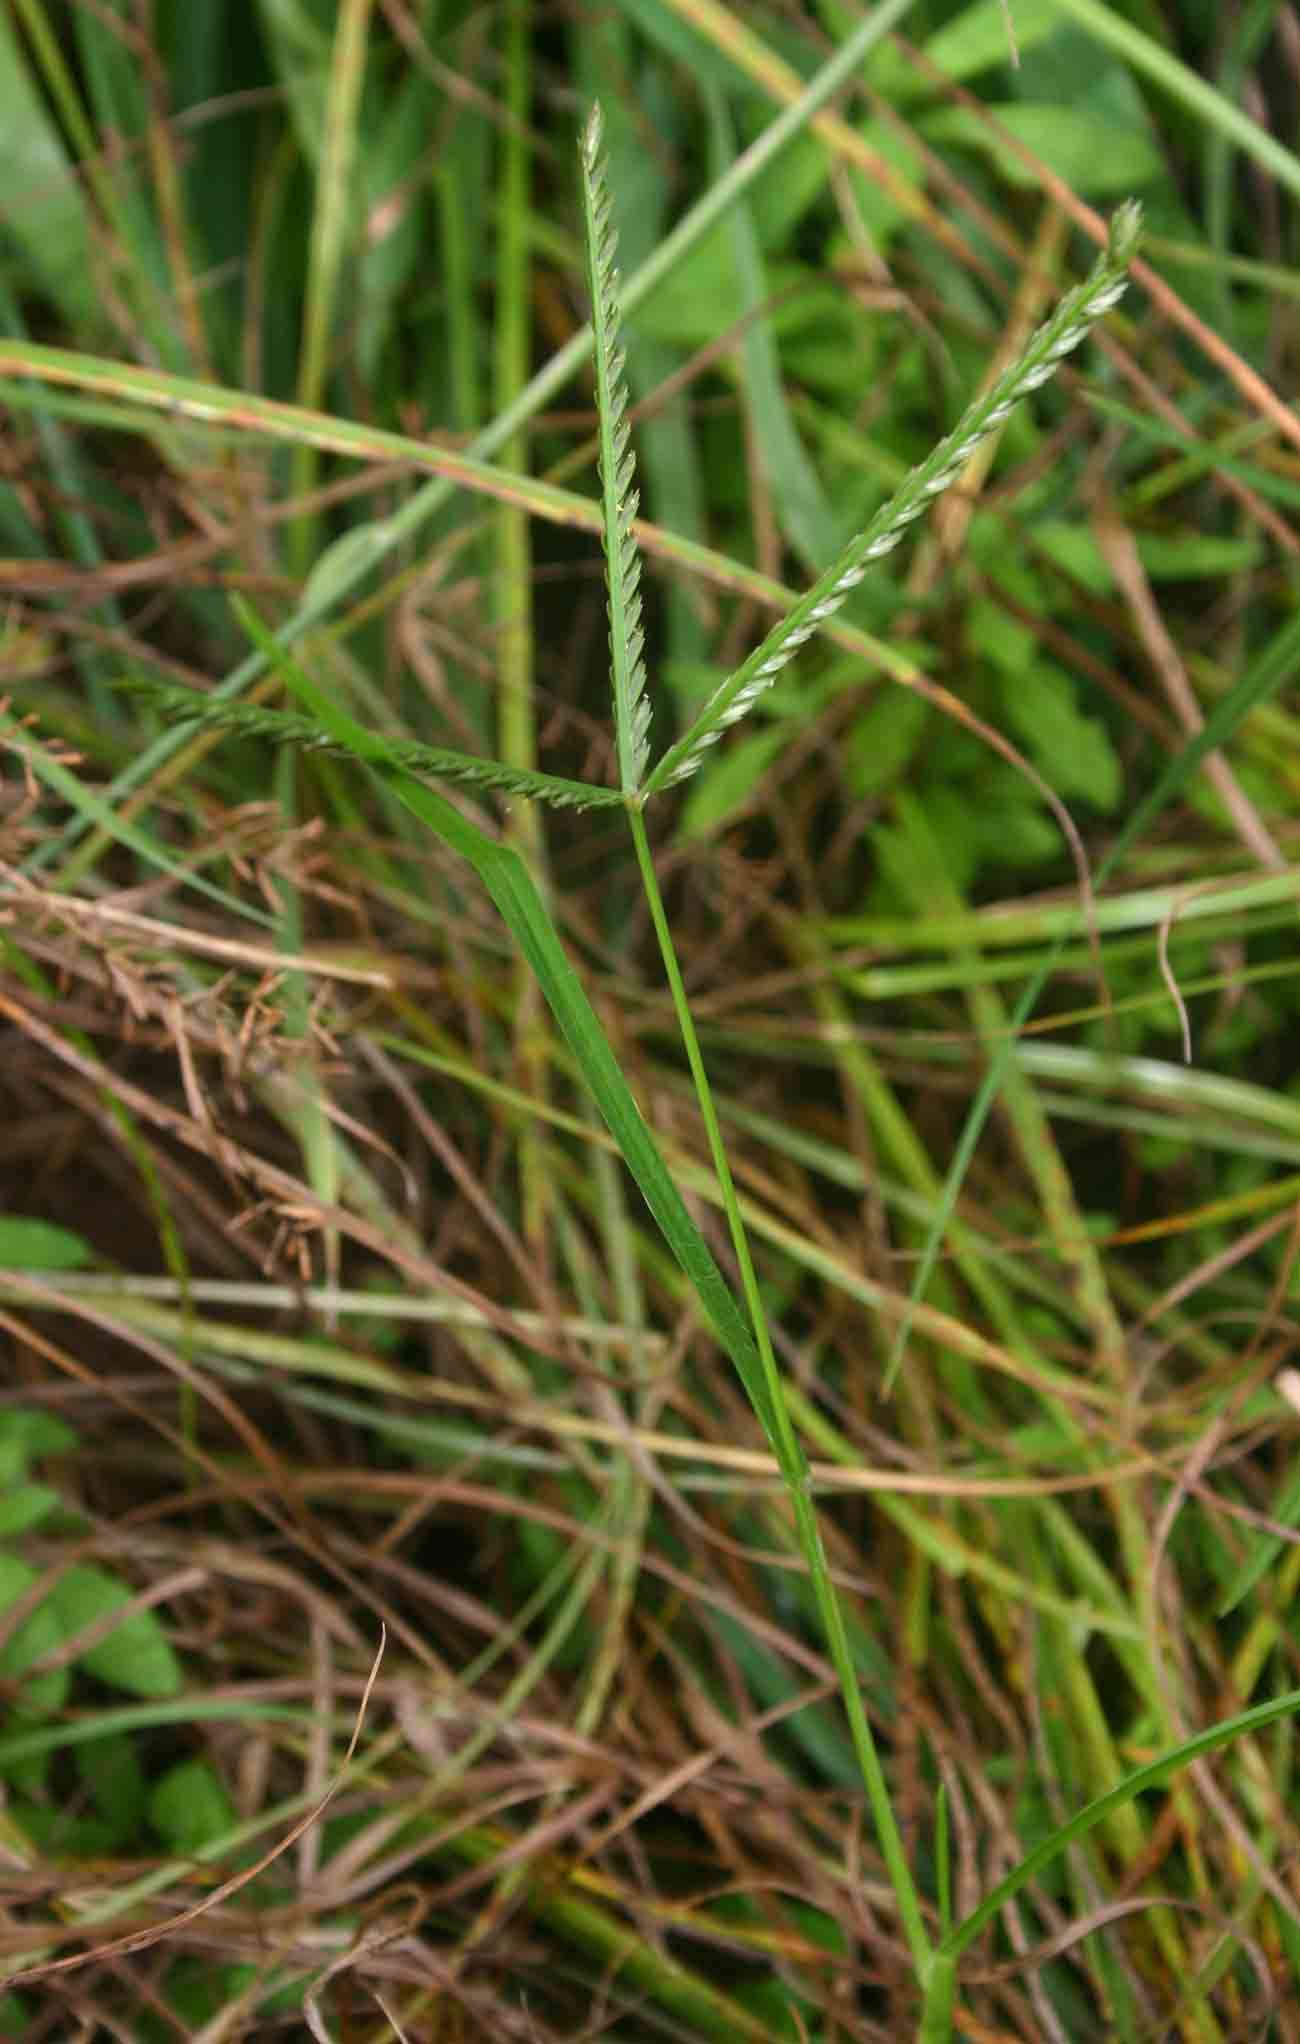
point(1073, 319)
point(434, 762)
point(617, 469)
point(1101, 1807)
point(511, 887)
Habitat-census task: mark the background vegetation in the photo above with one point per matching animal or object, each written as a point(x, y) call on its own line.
point(330, 1312)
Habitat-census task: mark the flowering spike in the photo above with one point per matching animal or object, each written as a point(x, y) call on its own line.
point(617, 469)
point(429, 762)
point(1073, 319)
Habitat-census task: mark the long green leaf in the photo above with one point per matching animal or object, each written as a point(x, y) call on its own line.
point(511, 887)
point(1101, 1807)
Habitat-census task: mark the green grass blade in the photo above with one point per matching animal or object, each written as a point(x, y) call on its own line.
point(1151, 1776)
point(44, 213)
point(799, 503)
point(328, 235)
point(511, 887)
point(1170, 75)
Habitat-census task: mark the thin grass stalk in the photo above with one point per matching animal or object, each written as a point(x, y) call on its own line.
point(512, 583)
point(786, 1446)
point(328, 233)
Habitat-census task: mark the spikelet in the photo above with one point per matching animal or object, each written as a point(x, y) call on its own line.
point(617, 470)
point(405, 755)
point(1072, 321)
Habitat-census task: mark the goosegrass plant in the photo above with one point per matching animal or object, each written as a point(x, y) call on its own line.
point(1070, 1392)
point(407, 770)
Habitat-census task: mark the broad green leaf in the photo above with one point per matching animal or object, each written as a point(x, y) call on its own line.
point(24, 1505)
point(110, 1768)
point(29, 1433)
point(884, 739)
point(1014, 834)
point(28, 1244)
point(63, 1833)
point(1194, 557)
point(136, 1655)
point(1095, 157)
point(1074, 549)
point(189, 1807)
point(830, 345)
point(1072, 749)
point(978, 36)
point(38, 1634)
point(880, 211)
point(1002, 638)
point(698, 299)
point(198, 1991)
point(951, 829)
point(785, 193)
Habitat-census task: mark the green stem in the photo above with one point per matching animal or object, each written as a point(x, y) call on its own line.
point(786, 1446)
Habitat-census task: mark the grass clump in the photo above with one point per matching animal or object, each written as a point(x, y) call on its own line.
point(832, 1577)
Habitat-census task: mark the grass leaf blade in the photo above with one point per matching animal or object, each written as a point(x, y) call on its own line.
point(511, 887)
point(1151, 1776)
